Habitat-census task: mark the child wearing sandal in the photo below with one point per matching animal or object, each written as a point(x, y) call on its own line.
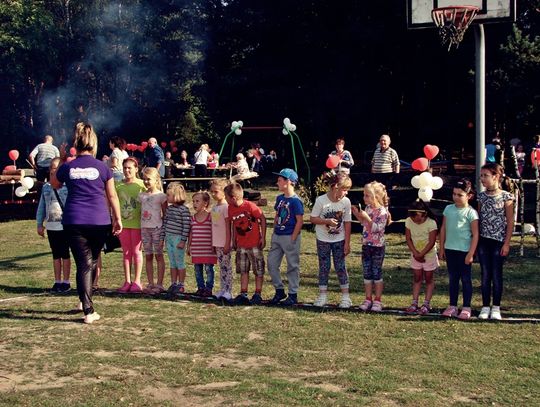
point(496, 209)
point(176, 227)
point(200, 244)
point(374, 219)
point(459, 238)
point(128, 191)
point(421, 237)
point(331, 215)
point(153, 206)
point(220, 234)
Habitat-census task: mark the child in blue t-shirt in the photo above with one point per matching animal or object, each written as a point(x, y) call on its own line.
point(286, 238)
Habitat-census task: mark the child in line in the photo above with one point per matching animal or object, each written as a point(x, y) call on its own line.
point(248, 238)
point(128, 192)
point(50, 210)
point(200, 244)
point(421, 237)
point(459, 238)
point(153, 206)
point(220, 235)
point(286, 238)
point(496, 209)
point(331, 215)
point(176, 227)
point(374, 219)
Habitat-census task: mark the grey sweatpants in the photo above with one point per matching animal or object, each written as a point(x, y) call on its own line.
point(281, 245)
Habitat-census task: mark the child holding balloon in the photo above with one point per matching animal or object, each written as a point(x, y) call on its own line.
point(50, 210)
point(459, 238)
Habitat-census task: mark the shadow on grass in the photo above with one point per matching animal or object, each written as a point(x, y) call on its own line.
point(22, 289)
point(13, 262)
point(29, 315)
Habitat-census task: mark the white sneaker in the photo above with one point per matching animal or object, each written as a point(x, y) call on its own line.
point(91, 318)
point(377, 306)
point(345, 302)
point(496, 313)
point(484, 313)
point(321, 300)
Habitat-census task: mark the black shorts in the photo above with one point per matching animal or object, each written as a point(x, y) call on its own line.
point(59, 244)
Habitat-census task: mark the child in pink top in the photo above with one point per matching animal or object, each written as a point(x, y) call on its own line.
point(200, 244)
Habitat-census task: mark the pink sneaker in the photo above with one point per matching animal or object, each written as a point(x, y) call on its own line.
point(135, 288)
point(125, 288)
point(450, 312)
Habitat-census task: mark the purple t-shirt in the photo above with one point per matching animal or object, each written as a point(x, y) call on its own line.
point(85, 178)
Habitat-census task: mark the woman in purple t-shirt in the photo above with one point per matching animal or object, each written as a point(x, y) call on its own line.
point(87, 218)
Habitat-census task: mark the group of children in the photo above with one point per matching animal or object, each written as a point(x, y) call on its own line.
point(153, 219)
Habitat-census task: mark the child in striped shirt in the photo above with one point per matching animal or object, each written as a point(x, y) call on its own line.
point(176, 226)
point(200, 247)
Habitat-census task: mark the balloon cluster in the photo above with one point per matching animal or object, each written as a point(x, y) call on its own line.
point(535, 157)
point(27, 184)
point(236, 126)
point(425, 182)
point(288, 126)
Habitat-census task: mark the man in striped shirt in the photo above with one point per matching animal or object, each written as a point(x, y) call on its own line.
point(385, 161)
point(41, 157)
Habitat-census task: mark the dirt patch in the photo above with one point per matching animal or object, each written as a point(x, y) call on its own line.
point(181, 396)
point(215, 386)
point(162, 354)
point(253, 336)
point(250, 362)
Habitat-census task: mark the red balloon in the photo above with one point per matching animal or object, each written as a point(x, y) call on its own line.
point(430, 151)
point(332, 161)
point(172, 143)
point(144, 144)
point(141, 148)
point(175, 149)
point(13, 154)
point(73, 151)
point(163, 144)
point(535, 157)
point(10, 168)
point(420, 164)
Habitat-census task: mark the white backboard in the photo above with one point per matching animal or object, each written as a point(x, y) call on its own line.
point(491, 11)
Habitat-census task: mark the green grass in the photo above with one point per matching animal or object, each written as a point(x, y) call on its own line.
point(154, 352)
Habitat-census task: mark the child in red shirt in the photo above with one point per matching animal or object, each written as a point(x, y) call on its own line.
point(248, 237)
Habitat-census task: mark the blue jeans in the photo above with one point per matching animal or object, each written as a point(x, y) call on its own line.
point(458, 270)
point(491, 264)
point(200, 277)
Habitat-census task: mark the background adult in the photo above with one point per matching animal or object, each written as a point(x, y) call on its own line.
point(87, 219)
point(385, 162)
point(41, 157)
point(345, 157)
point(117, 157)
point(155, 156)
point(201, 158)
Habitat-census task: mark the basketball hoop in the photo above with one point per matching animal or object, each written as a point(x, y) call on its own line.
point(453, 21)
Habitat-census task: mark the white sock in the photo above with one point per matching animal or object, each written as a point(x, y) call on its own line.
point(58, 281)
point(66, 282)
point(496, 308)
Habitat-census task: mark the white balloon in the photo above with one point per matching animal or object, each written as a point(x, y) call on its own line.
point(27, 182)
point(425, 179)
point(21, 191)
point(293, 127)
point(238, 132)
point(286, 121)
point(436, 183)
point(234, 124)
point(425, 194)
point(528, 229)
point(240, 123)
point(285, 132)
point(415, 181)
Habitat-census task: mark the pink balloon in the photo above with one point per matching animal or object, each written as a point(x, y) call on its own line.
point(13, 154)
point(10, 168)
point(431, 151)
point(73, 151)
point(420, 164)
point(332, 161)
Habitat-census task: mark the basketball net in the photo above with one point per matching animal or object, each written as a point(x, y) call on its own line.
point(452, 22)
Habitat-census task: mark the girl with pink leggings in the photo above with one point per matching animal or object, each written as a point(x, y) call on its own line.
point(130, 238)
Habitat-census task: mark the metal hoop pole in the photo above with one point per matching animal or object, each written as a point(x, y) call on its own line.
point(480, 79)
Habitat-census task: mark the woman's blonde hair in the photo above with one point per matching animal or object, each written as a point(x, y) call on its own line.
point(85, 138)
point(153, 173)
point(177, 192)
